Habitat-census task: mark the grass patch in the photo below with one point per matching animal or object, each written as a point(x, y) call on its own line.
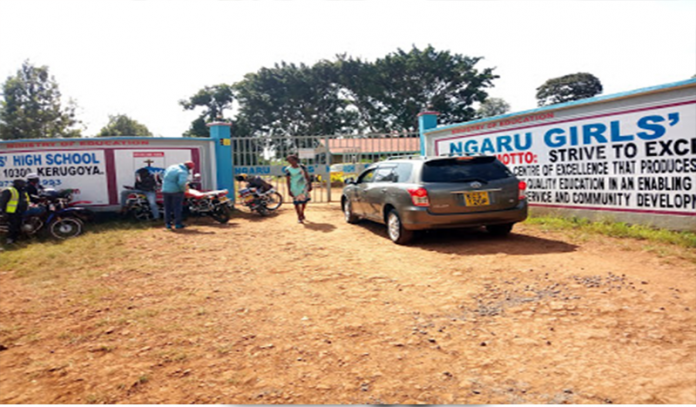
point(616, 229)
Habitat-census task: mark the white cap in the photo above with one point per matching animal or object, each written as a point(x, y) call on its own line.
point(33, 175)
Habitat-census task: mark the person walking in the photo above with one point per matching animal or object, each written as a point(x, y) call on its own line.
point(174, 184)
point(299, 185)
point(14, 201)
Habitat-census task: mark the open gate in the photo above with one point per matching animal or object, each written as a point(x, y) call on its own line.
point(329, 159)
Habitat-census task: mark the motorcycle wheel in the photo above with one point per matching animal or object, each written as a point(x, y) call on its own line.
point(65, 228)
point(273, 201)
point(221, 214)
point(141, 213)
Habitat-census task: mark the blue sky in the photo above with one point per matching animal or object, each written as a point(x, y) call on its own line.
point(141, 57)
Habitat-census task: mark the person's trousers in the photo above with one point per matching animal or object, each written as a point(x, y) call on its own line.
point(14, 226)
point(151, 199)
point(173, 204)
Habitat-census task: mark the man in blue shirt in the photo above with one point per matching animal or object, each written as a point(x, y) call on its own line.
point(174, 184)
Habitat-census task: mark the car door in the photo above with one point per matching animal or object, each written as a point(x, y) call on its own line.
point(376, 192)
point(360, 189)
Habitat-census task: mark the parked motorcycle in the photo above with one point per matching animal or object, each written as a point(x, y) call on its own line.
point(261, 202)
point(138, 207)
point(215, 204)
point(61, 217)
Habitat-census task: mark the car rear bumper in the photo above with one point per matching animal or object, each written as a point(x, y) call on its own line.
point(416, 218)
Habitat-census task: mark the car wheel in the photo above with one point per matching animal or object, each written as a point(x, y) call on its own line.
point(348, 213)
point(396, 230)
point(500, 230)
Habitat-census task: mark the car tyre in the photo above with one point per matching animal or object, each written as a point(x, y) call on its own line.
point(348, 213)
point(500, 230)
point(395, 229)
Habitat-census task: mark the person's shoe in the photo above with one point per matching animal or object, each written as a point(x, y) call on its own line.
point(180, 227)
point(9, 241)
point(168, 227)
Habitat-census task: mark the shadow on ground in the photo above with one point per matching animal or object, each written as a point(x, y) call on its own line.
point(478, 241)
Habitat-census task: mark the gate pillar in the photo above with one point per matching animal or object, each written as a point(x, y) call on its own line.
point(426, 121)
point(220, 134)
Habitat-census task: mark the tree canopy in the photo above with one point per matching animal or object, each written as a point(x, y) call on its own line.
point(568, 88)
point(390, 92)
point(353, 96)
point(214, 101)
point(493, 107)
point(121, 125)
point(31, 106)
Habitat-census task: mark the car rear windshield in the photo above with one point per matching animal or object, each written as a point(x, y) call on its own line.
point(465, 169)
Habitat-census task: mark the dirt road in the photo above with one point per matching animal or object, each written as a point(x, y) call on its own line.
point(270, 311)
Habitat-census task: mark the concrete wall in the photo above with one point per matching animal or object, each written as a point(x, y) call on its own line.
point(627, 157)
point(100, 167)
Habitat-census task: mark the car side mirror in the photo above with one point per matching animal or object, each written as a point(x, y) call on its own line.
point(349, 181)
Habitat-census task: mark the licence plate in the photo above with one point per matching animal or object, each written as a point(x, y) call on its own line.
point(476, 198)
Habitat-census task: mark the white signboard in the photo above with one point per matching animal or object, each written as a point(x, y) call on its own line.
point(79, 169)
point(157, 160)
point(639, 160)
point(98, 174)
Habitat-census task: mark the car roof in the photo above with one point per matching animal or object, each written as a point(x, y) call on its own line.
point(420, 158)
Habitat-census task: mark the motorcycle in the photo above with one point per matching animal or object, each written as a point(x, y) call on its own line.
point(138, 207)
point(261, 202)
point(60, 216)
point(215, 204)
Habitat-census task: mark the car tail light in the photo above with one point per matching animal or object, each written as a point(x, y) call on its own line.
point(419, 196)
point(522, 186)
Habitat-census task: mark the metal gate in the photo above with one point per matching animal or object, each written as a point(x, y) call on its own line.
point(329, 159)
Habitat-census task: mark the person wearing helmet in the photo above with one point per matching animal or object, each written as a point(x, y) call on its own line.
point(14, 201)
point(174, 184)
point(34, 187)
point(255, 182)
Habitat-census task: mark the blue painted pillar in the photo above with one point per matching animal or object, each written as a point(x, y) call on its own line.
point(426, 121)
point(220, 133)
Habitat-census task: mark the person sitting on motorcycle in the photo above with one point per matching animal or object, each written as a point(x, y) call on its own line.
point(14, 201)
point(255, 183)
point(34, 187)
point(34, 190)
point(146, 183)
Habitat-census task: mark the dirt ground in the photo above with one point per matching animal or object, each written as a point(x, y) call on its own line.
point(265, 310)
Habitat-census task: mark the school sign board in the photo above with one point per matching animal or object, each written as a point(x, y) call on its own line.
point(630, 157)
point(99, 168)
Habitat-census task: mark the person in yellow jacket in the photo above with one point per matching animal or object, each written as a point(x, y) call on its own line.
point(14, 201)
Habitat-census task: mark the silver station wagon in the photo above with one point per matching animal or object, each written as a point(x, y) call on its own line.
point(423, 193)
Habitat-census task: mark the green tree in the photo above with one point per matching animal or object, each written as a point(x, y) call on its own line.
point(214, 101)
point(389, 93)
point(121, 125)
point(568, 88)
point(31, 107)
point(291, 99)
point(493, 107)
